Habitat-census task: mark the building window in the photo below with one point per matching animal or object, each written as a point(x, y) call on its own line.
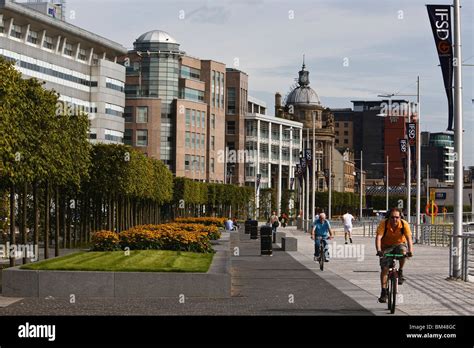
point(112, 135)
point(68, 50)
point(82, 56)
point(191, 94)
point(346, 141)
point(16, 31)
point(142, 137)
point(212, 165)
point(202, 142)
point(187, 162)
point(128, 114)
point(193, 141)
point(193, 118)
point(213, 121)
point(113, 84)
point(346, 133)
point(190, 73)
point(231, 107)
point(213, 142)
point(127, 137)
point(188, 117)
point(188, 140)
point(48, 42)
point(337, 141)
point(336, 133)
point(230, 127)
point(114, 110)
point(33, 37)
point(142, 114)
point(346, 124)
point(203, 119)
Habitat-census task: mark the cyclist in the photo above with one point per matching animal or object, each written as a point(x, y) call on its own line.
point(321, 228)
point(393, 234)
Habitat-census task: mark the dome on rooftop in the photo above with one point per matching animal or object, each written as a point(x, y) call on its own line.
point(156, 36)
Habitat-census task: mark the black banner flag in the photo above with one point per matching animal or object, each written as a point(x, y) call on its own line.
point(440, 19)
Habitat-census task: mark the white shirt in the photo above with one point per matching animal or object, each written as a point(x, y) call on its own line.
point(347, 219)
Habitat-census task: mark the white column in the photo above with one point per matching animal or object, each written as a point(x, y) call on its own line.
point(279, 207)
point(64, 45)
point(10, 27)
point(43, 36)
point(91, 55)
point(290, 171)
point(257, 168)
point(78, 48)
point(27, 32)
point(58, 43)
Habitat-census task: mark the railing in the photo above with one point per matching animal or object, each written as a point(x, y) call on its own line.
point(467, 256)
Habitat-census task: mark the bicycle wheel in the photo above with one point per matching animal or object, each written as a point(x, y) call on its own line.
point(322, 257)
point(389, 292)
point(394, 286)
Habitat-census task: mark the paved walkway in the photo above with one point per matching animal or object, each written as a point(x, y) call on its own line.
point(261, 285)
point(425, 292)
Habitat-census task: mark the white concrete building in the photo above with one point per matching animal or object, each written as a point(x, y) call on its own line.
point(275, 144)
point(81, 66)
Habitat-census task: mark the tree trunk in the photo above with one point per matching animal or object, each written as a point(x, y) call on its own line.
point(12, 222)
point(24, 206)
point(46, 220)
point(36, 218)
point(68, 223)
point(65, 210)
point(58, 225)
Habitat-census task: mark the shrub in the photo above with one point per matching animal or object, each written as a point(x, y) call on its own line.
point(105, 241)
point(219, 222)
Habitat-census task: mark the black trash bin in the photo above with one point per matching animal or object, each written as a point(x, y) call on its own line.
point(266, 240)
point(247, 226)
point(253, 229)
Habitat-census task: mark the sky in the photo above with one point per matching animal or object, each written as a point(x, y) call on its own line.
point(354, 50)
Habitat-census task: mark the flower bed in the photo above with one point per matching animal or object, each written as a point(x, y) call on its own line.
point(172, 236)
point(219, 222)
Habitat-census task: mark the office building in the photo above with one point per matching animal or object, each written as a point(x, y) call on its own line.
point(437, 156)
point(175, 107)
point(273, 146)
point(81, 66)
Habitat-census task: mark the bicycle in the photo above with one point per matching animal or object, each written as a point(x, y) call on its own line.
point(393, 281)
point(322, 254)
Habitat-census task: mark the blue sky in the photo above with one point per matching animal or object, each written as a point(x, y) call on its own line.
point(386, 44)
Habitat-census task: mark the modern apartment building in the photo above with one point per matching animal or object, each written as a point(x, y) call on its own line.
point(81, 66)
point(437, 156)
point(175, 107)
point(273, 145)
point(366, 128)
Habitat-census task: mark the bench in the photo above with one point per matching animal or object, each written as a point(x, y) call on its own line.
point(289, 243)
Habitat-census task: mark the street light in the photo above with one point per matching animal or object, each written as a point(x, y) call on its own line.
point(386, 198)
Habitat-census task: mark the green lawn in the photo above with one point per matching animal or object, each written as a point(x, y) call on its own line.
point(136, 261)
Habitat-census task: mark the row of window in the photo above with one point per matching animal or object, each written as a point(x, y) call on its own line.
point(196, 163)
point(195, 118)
point(195, 141)
point(346, 141)
point(217, 89)
point(191, 94)
point(141, 114)
point(141, 137)
point(190, 73)
point(54, 73)
point(346, 133)
point(346, 124)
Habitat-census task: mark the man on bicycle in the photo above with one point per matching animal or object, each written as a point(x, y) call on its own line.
point(393, 234)
point(322, 229)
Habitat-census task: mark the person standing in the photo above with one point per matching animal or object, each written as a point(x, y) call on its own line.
point(320, 234)
point(274, 223)
point(347, 218)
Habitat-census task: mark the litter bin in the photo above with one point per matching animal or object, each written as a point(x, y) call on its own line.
point(247, 226)
point(266, 247)
point(253, 229)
